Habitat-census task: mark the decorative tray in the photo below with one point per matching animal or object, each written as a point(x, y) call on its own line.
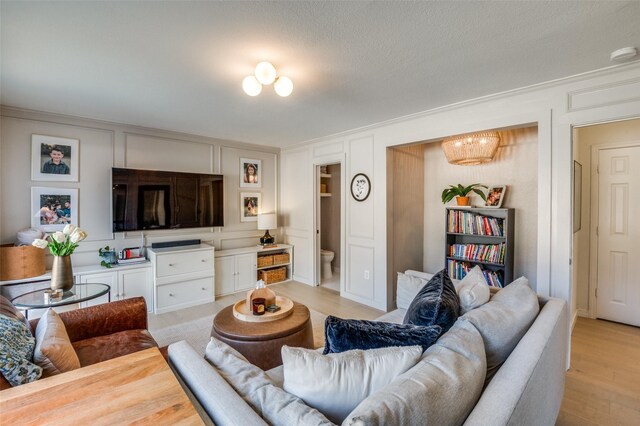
point(244, 313)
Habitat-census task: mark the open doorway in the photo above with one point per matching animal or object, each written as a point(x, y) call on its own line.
point(329, 242)
point(606, 239)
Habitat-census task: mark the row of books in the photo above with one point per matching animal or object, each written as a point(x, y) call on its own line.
point(458, 270)
point(462, 222)
point(492, 253)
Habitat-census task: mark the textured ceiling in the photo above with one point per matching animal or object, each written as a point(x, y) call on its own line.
point(179, 65)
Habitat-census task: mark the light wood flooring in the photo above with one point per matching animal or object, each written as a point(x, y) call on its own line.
point(603, 384)
point(319, 299)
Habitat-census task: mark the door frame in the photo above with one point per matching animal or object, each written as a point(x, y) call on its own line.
point(333, 159)
point(595, 218)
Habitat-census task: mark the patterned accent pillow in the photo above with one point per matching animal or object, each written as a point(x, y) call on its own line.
point(16, 352)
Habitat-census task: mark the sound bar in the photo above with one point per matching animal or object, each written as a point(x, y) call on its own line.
point(175, 243)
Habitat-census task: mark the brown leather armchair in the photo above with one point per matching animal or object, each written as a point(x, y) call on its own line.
point(98, 333)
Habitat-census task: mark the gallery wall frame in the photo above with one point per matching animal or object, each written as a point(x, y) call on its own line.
point(250, 173)
point(54, 159)
point(250, 206)
point(53, 208)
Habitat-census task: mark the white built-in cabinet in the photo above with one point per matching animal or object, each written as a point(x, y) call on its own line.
point(237, 270)
point(125, 282)
point(182, 276)
point(235, 273)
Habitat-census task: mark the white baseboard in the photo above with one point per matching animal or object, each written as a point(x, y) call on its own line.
point(573, 320)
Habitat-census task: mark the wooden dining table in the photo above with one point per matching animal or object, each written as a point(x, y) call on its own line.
point(138, 388)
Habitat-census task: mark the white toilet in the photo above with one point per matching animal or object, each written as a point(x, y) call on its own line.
point(326, 256)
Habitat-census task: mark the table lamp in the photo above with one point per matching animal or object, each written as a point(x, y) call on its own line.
point(267, 221)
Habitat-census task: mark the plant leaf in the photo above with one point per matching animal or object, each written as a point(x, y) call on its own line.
point(480, 193)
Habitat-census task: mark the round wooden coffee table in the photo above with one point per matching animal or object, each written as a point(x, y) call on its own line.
point(259, 342)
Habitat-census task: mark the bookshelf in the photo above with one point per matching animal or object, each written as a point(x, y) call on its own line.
point(480, 236)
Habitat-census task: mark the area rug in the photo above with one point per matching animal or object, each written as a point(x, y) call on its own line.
point(198, 332)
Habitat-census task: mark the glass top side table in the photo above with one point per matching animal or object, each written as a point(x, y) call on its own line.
point(78, 293)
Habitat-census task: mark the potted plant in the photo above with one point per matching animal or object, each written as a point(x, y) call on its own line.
point(462, 193)
point(108, 256)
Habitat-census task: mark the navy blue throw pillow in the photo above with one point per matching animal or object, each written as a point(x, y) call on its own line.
point(345, 334)
point(436, 303)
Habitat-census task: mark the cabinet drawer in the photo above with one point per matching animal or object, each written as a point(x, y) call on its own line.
point(181, 263)
point(185, 293)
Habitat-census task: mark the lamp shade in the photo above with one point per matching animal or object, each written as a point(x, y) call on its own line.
point(267, 221)
point(472, 148)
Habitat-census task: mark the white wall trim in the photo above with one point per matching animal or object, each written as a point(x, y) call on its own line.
point(57, 118)
point(479, 100)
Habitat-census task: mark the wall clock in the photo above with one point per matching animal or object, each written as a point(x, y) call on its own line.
point(360, 187)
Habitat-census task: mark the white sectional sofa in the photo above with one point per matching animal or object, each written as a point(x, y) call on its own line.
point(526, 389)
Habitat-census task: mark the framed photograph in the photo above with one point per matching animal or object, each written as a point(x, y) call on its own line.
point(250, 173)
point(360, 187)
point(495, 195)
point(54, 158)
point(577, 196)
point(249, 206)
point(53, 208)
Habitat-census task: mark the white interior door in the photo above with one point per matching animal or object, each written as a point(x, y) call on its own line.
point(618, 288)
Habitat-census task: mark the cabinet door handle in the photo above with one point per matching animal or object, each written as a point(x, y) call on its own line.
point(171, 294)
point(203, 288)
point(203, 260)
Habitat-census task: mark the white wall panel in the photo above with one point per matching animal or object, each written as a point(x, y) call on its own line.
point(328, 149)
point(362, 272)
point(361, 214)
point(606, 94)
point(105, 145)
point(154, 153)
point(297, 207)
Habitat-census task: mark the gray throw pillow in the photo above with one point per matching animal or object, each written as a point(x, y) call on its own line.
point(504, 320)
point(275, 405)
point(441, 389)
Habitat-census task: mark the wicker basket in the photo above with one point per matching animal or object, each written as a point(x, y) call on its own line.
point(265, 260)
point(280, 258)
point(270, 276)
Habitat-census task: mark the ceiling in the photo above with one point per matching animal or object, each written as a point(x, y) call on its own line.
point(179, 65)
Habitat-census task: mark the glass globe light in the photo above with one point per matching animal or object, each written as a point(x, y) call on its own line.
point(251, 86)
point(283, 86)
point(265, 73)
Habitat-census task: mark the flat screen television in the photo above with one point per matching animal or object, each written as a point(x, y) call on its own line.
point(150, 199)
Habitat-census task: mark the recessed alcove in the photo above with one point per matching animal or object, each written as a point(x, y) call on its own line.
point(416, 175)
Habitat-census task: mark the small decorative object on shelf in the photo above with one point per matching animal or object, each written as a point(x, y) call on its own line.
point(109, 257)
point(360, 187)
point(61, 245)
point(462, 193)
point(495, 196)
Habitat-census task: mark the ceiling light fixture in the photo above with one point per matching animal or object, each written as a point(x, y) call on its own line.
point(623, 54)
point(472, 148)
point(265, 73)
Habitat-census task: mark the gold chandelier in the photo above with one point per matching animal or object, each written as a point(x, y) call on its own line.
point(471, 148)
